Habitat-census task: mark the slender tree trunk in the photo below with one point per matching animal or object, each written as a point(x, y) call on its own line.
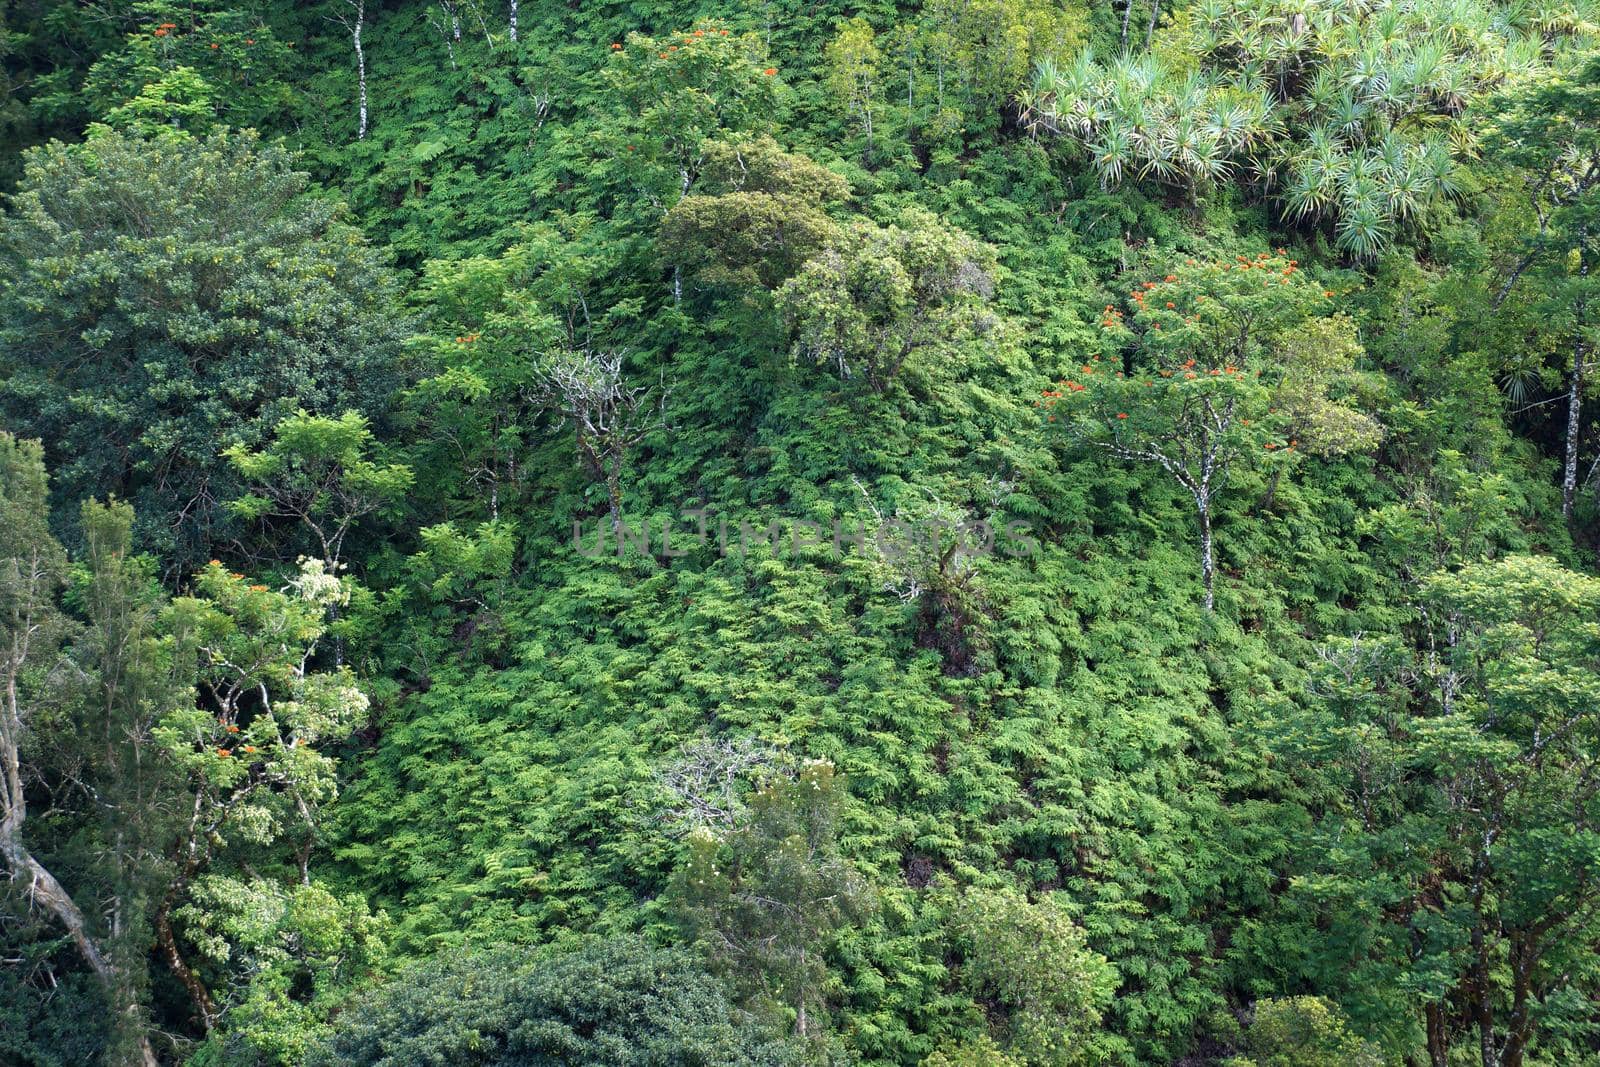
point(1207, 562)
point(513, 20)
point(1518, 1025)
point(361, 66)
point(1127, 16)
point(1438, 1035)
point(1569, 475)
point(1482, 1006)
point(1150, 31)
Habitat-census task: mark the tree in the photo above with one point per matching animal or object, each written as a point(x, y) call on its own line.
point(1462, 837)
point(853, 71)
point(1304, 1032)
point(1351, 118)
point(32, 569)
point(1270, 368)
point(319, 472)
point(1044, 989)
point(1550, 135)
point(754, 215)
point(245, 750)
point(608, 416)
point(766, 895)
point(882, 295)
point(168, 298)
point(620, 1001)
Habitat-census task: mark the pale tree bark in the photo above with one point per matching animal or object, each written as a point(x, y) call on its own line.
point(513, 20)
point(1569, 474)
point(354, 20)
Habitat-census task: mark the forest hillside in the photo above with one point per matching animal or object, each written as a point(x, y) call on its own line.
point(971, 533)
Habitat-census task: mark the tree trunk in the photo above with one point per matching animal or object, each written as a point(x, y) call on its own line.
point(1569, 475)
point(1127, 16)
point(1482, 1005)
point(1207, 563)
point(1438, 1034)
point(513, 20)
point(199, 995)
point(361, 69)
point(1150, 31)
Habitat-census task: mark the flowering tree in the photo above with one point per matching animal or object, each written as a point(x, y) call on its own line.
point(1209, 375)
point(246, 749)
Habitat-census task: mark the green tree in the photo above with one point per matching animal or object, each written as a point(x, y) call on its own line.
point(754, 215)
point(767, 893)
point(1220, 363)
point(1304, 1032)
point(245, 750)
point(319, 472)
point(32, 626)
point(620, 1001)
point(854, 64)
point(169, 298)
point(1027, 962)
point(1549, 135)
point(884, 294)
point(1460, 845)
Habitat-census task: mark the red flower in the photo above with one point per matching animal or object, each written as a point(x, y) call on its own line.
point(1170, 304)
point(615, 47)
point(1122, 414)
point(213, 44)
point(770, 71)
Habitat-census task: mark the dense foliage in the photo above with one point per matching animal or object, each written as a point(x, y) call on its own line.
point(973, 532)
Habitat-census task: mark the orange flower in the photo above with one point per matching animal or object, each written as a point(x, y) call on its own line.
point(663, 55)
point(770, 71)
point(1172, 277)
point(1122, 414)
point(1170, 304)
point(672, 48)
point(213, 44)
point(224, 752)
point(1155, 326)
point(249, 40)
point(1189, 376)
point(258, 589)
point(249, 748)
point(232, 729)
point(615, 47)
point(699, 33)
point(215, 563)
point(1328, 293)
